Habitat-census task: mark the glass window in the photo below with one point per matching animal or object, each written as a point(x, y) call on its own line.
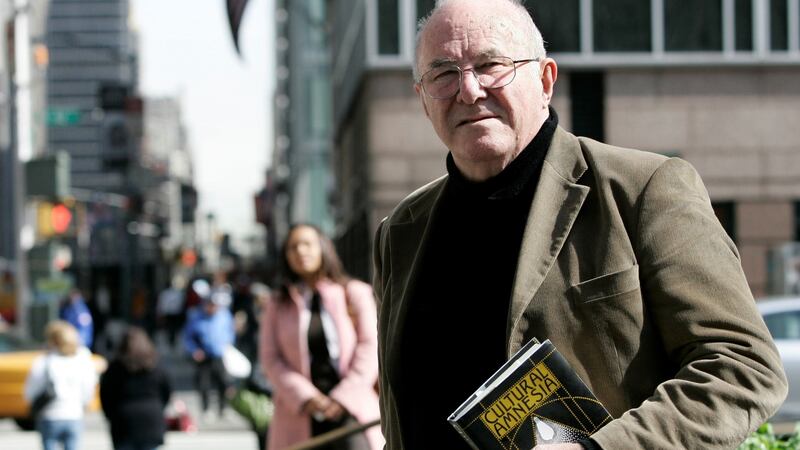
point(778, 25)
point(785, 325)
point(319, 107)
point(424, 7)
point(797, 221)
point(695, 28)
point(388, 27)
point(726, 214)
point(744, 24)
point(587, 93)
point(615, 32)
point(315, 15)
point(558, 20)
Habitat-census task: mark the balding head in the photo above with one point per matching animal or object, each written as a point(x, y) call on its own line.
point(525, 32)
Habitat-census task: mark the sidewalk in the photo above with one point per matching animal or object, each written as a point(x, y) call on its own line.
point(181, 372)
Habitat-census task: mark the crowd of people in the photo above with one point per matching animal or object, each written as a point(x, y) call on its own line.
point(311, 343)
point(613, 254)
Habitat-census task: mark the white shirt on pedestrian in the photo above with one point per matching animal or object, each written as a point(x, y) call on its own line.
point(74, 378)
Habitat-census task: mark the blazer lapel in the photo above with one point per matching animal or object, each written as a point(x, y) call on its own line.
point(407, 238)
point(556, 204)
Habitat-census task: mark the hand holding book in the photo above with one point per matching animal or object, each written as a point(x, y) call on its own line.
point(559, 447)
point(534, 398)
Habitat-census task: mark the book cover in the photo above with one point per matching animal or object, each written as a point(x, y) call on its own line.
point(534, 398)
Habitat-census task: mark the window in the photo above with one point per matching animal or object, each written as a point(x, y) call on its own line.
point(315, 16)
point(784, 325)
point(778, 25)
point(621, 32)
point(424, 7)
point(388, 27)
point(319, 107)
point(797, 221)
point(558, 20)
point(744, 24)
point(587, 93)
point(695, 28)
point(726, 214)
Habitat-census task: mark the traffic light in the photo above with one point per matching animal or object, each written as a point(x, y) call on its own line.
point(53, 219)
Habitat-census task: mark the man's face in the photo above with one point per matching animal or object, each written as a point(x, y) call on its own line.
point(485, 129)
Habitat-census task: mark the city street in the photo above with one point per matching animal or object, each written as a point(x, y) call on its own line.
point(229, 432)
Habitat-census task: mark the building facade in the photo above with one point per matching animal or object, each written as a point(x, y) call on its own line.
point(717, 84)
point(23, 63)
point(96, 116)
point(302, 115)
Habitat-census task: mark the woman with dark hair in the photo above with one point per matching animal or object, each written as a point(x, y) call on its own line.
point(318, 346)
point(134, 392)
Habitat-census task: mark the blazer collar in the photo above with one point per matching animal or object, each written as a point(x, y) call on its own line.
point(556, 204)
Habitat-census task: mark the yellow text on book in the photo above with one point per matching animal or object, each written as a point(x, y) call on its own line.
point(518, 402)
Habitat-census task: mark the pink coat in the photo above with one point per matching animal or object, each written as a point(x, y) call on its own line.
point(285, 359)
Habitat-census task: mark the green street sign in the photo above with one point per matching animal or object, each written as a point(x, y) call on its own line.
point(60, 117)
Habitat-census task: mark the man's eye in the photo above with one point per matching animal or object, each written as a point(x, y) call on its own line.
point(489, 66)
point(445, 75)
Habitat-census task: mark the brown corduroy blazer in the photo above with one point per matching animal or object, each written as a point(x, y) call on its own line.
point(625, 268)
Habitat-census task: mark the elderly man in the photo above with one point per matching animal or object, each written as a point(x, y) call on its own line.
point(615, 255)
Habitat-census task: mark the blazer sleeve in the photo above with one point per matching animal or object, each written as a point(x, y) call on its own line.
point(290, 385)
point(729, 375)
point(363, 371)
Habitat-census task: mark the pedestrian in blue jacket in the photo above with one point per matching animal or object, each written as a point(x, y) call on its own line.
point(75, 311)
point(208, 331)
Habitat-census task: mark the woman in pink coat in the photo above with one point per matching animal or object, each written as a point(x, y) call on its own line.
point(319, 347)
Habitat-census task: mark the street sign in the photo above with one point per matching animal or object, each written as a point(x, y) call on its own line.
point(61, 117)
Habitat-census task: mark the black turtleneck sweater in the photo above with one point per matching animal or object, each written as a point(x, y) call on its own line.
point(455, 331)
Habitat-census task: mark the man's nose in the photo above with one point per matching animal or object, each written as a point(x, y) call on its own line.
point(470, 90)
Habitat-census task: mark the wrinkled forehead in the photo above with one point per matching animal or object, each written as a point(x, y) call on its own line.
point(465, 35)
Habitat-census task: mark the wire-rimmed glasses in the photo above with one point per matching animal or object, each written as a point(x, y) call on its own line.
point(444, 81)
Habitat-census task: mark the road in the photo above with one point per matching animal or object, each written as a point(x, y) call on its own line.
point(228, 432)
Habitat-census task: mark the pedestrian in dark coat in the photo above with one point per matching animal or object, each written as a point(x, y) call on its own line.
point(134, 392)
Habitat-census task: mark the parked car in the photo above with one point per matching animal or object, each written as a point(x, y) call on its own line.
point(16, 358)
point(782, 316)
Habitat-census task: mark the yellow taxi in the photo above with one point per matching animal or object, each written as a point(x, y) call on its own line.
point(16, 359)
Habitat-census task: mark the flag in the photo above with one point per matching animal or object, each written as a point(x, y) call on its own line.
point(235, 12)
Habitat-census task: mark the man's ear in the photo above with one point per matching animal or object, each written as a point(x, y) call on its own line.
point(549, 76)
point(421, 95)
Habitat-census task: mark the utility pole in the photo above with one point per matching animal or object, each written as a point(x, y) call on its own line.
point(21, 149)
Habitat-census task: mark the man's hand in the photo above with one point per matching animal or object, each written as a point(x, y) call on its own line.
point(559, 447)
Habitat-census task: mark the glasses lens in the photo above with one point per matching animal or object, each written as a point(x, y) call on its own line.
point(495, 72)
point(441, 82)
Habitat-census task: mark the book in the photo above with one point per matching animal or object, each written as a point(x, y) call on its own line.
point(534, 398)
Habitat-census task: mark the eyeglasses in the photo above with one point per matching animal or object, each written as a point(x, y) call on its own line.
point(445, 81)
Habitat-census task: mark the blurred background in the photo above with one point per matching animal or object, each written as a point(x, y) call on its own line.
point(141, 139)
point(144, 141)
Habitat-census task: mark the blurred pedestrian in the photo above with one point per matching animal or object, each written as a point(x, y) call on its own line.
point(208, 331)
point(245, 316)
point(169, 309)
point(75, 311)
point(69, 367)
point(134, 392)
point(319, 346)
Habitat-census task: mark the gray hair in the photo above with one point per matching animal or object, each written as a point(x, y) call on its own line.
point(536, 41)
